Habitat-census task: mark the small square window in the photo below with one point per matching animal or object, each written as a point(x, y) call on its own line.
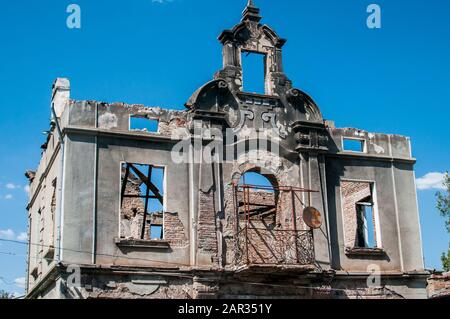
point(354, 145)
point(156, 232)
point(143, 124)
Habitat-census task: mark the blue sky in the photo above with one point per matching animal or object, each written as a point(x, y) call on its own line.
point(393, 80)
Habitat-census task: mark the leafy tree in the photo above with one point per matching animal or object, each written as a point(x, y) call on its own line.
point(446, 261)
point(443, 205)
point(5, 295)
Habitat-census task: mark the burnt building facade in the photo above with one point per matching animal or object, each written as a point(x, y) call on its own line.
point(131, 201)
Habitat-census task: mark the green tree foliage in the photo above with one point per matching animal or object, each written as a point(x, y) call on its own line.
point(5, 295)
point(443, 201)
point(446, 261)
point(443, 205)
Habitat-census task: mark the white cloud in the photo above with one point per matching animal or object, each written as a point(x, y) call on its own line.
point(10, 234)
point(7, 234)
point(20, 282)
point(17, 294)
point(22, 237)
point(26, 188)
point(431, 181)
point(12, 186)
point(8, 197)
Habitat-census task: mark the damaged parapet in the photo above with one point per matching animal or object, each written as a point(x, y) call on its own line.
point(158, 203)
point(60, 95)
point(119, 116)
point(358, 142)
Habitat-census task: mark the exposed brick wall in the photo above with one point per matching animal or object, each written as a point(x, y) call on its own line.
point(260, 197)
point(174, 231)
point(113, 286)
point(167, 128)
point(207, 228)
point(132, 210)
point(352, 193)
point(284, 207)
point(439, 285)
point(229, 225)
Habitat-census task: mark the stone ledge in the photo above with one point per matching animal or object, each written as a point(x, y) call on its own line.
point(274, 269)
point(371, 157)
point(137, 243)
point(365, 252)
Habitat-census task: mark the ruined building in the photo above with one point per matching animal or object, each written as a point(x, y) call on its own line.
point(131, 201)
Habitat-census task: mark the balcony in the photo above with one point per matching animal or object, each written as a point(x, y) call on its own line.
point(269, 236)
point(281, 249)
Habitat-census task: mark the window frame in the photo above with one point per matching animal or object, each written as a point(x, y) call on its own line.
point(143, 117)
point(157, 166)
point(265, 59)
point(376, 212)
point(363, 142)
point(366, 224)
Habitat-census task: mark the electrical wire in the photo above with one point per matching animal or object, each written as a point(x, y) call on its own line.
point(7, 282)
point(326, 289)
point(88, 252)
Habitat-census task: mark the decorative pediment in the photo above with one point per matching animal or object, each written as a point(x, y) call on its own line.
point(280, 110)
point(303, 103)
point(210, 95)
point(249, 31)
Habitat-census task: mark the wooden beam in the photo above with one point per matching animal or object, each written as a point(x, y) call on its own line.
point(149, 184)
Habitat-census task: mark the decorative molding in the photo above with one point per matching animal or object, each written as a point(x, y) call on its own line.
point(245, 114)
point(279, 129)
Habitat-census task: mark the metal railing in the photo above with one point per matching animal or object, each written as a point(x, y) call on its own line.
point(258, 246)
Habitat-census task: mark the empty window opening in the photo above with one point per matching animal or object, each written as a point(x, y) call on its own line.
point(143, 124)
point(156, 232)
point(252, 178)
point(268, 222)
point(360, 219)
point(254, 72)
point(354, 145)
point(258, 200)
point(366, 225)
point(142, 201)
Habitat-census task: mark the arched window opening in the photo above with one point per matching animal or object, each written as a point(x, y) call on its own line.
point(258, 199)
point(256, 179)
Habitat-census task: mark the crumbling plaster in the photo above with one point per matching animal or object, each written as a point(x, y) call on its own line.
point(200, 220)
